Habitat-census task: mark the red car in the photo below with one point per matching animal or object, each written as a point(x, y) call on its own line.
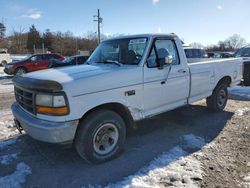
point(32, 63)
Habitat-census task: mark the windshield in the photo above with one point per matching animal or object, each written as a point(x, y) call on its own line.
point(27, 57)
point(123, 51)
point(243, 52)
point(68, 60)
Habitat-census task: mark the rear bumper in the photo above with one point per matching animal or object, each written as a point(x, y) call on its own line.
point(46, 131)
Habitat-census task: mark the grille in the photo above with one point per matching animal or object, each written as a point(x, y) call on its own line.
point(25, 99)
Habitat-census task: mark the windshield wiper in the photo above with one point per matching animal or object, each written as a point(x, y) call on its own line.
point(110, 61)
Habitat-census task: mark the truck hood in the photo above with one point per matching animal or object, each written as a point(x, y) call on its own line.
point(68, 74)
point(82, 79)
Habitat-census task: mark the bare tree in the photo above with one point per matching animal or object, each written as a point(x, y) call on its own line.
point(18, 41)
point(196, 45)
point(235, 42)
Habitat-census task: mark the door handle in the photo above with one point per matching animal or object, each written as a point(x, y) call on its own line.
point(163, 82)
point(181, 71)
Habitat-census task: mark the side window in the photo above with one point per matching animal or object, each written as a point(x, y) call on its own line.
point(37, 58)
point(55, 56)
point(246, 52)
point(81, 60)
point(188, 53)
point(163, 47)
point(47, 57)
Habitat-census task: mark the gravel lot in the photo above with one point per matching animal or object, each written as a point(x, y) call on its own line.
point(187, 147)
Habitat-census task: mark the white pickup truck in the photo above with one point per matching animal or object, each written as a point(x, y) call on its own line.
point(125, 80)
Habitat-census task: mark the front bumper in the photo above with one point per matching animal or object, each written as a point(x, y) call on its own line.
point(8, 71)
point(46, 131)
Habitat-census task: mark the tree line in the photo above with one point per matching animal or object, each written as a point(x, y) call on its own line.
point(21, 42)
point(230, 44)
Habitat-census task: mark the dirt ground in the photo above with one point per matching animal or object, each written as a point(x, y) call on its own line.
point(227, 162)
point(225, 159)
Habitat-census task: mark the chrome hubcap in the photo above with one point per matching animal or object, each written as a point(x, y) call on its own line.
point(105, 138)
point(221, 97)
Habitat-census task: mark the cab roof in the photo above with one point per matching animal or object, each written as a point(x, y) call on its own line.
point(170, 35)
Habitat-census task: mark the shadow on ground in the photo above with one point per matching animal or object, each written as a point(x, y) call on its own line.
point(54, 166)
point(5, 77)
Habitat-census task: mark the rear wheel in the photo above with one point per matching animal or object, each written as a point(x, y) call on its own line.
point(218, 100)
point(100, 136)
point(20, 71)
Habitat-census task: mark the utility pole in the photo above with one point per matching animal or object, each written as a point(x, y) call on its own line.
point(98, 19)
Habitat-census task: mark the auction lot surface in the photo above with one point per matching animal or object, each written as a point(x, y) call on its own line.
point(190, 146)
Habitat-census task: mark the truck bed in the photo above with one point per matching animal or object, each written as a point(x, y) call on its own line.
point(205, 74)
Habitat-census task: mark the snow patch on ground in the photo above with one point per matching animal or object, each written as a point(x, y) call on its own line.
point(240, 91)
point(247, 180)
point(241, 112)
point(6, 143)
point(8, 129)
point(8, 87)
point(17, 178)
point(169, 169)
point(7, 159)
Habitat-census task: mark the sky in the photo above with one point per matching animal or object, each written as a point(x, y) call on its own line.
point(203, 21)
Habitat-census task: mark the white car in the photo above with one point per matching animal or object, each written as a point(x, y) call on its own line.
point(127, 79)
point(4, 58)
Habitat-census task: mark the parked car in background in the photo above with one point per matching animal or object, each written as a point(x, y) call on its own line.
point(32, 63)
point(4, 57)
point(195, 52)
point(226, 54)
point(72, 60)
point(211, 54)
point(220, 54)
point(245, 54)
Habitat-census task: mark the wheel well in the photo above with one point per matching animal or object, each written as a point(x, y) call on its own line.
point(119, 109)
point(21, 67)
point(225, 80)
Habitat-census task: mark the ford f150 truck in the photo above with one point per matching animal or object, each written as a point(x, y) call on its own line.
point(125, 80)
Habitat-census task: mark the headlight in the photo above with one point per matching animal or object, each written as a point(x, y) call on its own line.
point(51, 104)
point(44, 100)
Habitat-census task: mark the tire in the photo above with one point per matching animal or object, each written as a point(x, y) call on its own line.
point(218, 100)
point(109, 128)
point(20, 71)
point(4, 63)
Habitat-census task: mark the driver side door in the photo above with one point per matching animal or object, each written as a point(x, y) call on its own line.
point(166, 87)
point(38, 62)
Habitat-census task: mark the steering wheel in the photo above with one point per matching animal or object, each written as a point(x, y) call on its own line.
point(138, 56)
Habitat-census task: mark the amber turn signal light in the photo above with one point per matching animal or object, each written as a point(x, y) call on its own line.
point(58, 111)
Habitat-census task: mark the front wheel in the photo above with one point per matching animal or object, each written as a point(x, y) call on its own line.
point(100, 136)
point(20, 71)
point(218, 100)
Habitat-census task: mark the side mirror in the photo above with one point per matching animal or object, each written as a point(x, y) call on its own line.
point(165, 61)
